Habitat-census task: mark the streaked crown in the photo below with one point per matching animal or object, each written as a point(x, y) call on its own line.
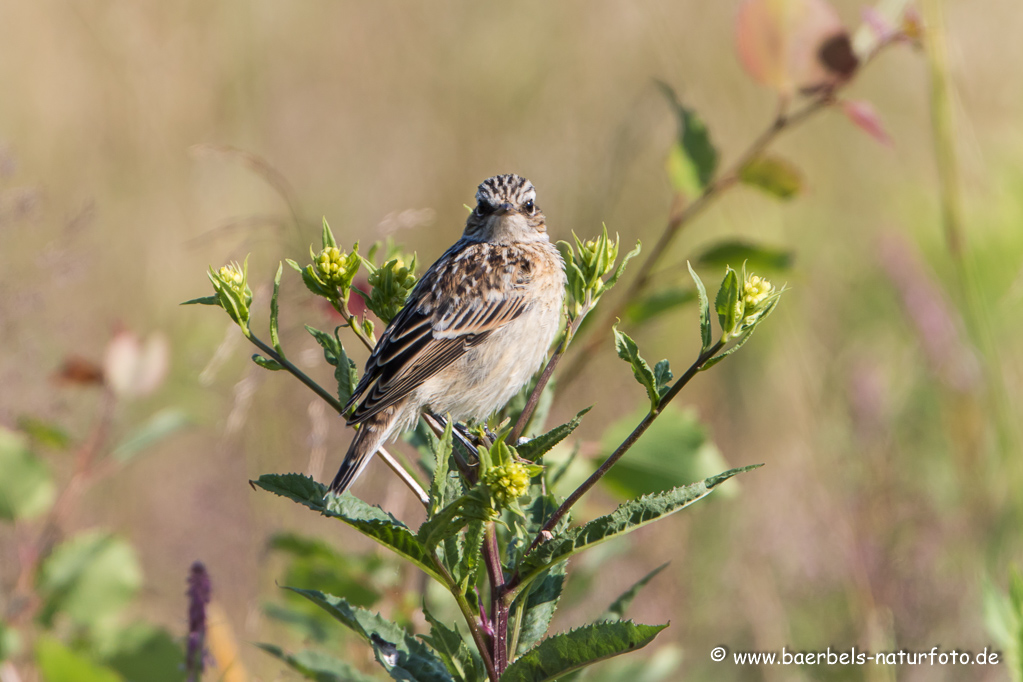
point(506, 211)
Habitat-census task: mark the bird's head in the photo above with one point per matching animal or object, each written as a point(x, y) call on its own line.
point(506, 212)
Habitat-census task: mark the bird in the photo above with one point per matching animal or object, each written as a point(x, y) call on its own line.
point(473, 331)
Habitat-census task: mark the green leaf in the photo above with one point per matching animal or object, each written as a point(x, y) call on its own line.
point(693, 158)
point(317, 666)
point(315, 563)
point(90, 577)
point(616, 611)
point(621, 266)
point(401, 655)
point(155, 429)
point(645, 309)
point(629, 351)
point(370, 521)
point(541, 603)
point(203, 300)
point(26, 488)
point(537, 447)
point(274, 310)
point(57, 663)
point(728, 304)
point(464, 664)
point(774, 175)
point(561, 654)
point(465, 573)
point(438, 484)
point(345, 372)
point(267, 363)
point(625, 519)
point(662, 376)
point(144, 652)
point(328, 236)
point(44, 433)
point(756, 256)
point(675, 450)
point(473, 506)
point(705, 330)
point(742, 339)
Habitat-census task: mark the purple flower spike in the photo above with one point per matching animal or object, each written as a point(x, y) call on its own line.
point(198, 598)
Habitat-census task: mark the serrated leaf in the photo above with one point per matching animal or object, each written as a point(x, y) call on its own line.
point(317, 666)
point(155, 429)
point(756, 256)
point(705, 330)
point(267, 363)
point(621, 266)
point(728, 304)
point(561, 654)
point(438, 484)
point(658, 303)
point(274, 310)
point(616, 611)
point(26, 487)
point(403, 656)
point(465, 573)
point(345, 372)
point(774, 175)
point(541, 603)
point(203, 300)
point(629, 351)
point(370, 521)
point(464, 664)
point(537, 447)
point(693, 159)
point(625, 519)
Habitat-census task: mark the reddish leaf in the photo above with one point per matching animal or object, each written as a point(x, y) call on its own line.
point(864, 117)
point(794, 45)
point(78, 370)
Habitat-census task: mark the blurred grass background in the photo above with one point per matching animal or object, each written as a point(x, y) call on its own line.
point(887, 495)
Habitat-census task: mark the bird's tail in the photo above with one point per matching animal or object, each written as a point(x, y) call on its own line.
point(368, 439)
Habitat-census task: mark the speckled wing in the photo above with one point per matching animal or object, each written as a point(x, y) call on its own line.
point(472, 291)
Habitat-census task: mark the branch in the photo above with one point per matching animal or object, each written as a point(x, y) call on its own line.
point(626, 445)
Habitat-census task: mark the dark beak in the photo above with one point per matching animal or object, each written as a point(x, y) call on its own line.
point(505, 209)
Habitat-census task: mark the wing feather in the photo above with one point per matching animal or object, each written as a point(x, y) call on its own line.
point(460, 301)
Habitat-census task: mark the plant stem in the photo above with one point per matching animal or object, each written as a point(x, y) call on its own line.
point(498, 609)
point(391, 462)
point(342, 308)
point(470, 620)
point(626, 444)
point(682, 214)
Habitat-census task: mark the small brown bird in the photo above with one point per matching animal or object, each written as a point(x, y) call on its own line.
point(473, 331)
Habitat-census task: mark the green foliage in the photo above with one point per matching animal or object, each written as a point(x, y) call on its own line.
point(316, 666)
point(541, 601)
point(755, 256)
point(654, 381)
point(537, 447)
point(90, 578)
point(561, 654)
point(773, 175)
point(57, 663)
point(26, 489)
point(401, 655)
point(463, 664)
point(231, 284)
point(345, 372)
point(390, 285)
point(617, 609)
point(693, 159)
point(625, 519)
point(586, 265)
point(1003, 616)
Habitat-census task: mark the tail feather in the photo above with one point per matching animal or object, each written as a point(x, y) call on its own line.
point(367, 441)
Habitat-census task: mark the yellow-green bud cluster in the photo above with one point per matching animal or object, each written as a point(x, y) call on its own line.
point(756, 292)
point(233, 292)
point(390, 285)
point(331, 265)
point(507, 482)
point(586, 265)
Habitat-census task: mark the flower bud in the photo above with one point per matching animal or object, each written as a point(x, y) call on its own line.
point(507, 482)
point(390, 285)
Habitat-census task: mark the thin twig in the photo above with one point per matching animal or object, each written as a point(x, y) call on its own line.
point(470, 619)
point(626, 444)
point(395, 466)
point(498, 609)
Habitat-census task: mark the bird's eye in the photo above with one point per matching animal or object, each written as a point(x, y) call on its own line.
point(483, 208)
point(529, 206)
